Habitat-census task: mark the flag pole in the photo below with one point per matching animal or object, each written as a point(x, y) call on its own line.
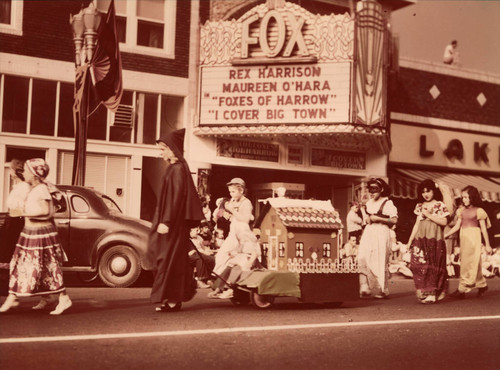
point(98, 78)
point(85, 25)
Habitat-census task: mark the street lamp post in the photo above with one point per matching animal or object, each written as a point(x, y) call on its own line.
point(85, 25)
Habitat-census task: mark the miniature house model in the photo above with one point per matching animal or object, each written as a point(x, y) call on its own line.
point(300, 235)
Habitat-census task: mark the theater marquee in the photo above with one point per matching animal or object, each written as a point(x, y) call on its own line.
point(275, 94)
point(276, 65)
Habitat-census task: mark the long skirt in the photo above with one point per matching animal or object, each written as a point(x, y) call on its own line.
point(373, 259)
point(471, 275)
point(36, 266)
point(428, 260)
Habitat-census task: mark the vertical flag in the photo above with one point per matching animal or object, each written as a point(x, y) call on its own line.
point(106, 66)
point(105, 74)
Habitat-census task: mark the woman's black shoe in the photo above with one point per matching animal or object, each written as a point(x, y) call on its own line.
point(481, 291)
point(457, 294)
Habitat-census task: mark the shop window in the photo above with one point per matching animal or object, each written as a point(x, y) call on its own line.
point(149, 119)
point(43, 107)
point(327, 250)
point(124, 119)
point(23, 153)
point(146, 26)
point(11, 17)
point(15, 104)
point(299, 249)
point(65, 125)
point(172, 111)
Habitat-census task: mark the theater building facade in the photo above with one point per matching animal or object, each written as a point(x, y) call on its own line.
point(292, 96)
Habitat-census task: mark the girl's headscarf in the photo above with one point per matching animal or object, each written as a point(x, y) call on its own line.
point(38, 167)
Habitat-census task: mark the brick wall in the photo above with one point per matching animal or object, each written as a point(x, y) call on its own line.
point(409, 92)
point(47, 34)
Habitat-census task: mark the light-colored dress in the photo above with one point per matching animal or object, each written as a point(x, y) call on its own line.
point(428, 253)
point(238, 229)
point(36, 266)
point(470, 248)
point(375, 247)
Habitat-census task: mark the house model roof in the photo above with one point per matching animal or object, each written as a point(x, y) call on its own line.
point(301, 213)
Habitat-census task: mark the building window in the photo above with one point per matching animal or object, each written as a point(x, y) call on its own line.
point(299, 249)
point(124, 119)
point(65, 125)
point(146, 26)
point(150, 114)
point(171, 115)
point(327, 250)
point(15, 104)
point(281, 252)
point(11, 17)
point(43, 107)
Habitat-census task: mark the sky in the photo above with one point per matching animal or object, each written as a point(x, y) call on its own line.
point(426, 27)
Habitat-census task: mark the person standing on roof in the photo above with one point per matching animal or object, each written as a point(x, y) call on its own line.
point(451, 55)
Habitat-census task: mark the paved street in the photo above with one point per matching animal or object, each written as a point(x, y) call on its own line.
point(118, 328)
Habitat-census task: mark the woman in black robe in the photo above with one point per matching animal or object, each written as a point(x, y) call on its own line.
point(177, 210)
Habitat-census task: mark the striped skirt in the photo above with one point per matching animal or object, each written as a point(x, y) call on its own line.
point(36, 266)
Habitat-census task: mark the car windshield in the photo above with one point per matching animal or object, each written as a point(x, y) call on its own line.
point(110, 203)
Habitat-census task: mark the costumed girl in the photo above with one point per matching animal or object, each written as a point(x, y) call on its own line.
point(240, 208)
point(427, 244)
point(36, 266)
point(177, 211)
point(472, 223)
point(375, 244)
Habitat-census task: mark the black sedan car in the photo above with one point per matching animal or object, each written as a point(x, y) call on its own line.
point(96, 237)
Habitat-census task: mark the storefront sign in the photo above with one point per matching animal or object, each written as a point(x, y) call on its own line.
point(444, 148)
point(283, 24)
point(275, 94)
point(248, 150)
point(338, 159)
point(286, 31)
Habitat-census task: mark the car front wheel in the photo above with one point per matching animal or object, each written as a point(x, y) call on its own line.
point(119, 266)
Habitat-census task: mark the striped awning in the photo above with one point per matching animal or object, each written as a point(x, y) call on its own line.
point(404, 183)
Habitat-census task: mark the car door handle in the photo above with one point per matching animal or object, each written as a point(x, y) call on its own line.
point(63, 222)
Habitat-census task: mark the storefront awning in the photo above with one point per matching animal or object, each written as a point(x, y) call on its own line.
point(361, 138)
point(404, 183)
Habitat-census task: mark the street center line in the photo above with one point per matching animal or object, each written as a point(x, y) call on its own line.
point(238, 329)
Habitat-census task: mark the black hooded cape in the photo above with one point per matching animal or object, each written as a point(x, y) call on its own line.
point(178, 207)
